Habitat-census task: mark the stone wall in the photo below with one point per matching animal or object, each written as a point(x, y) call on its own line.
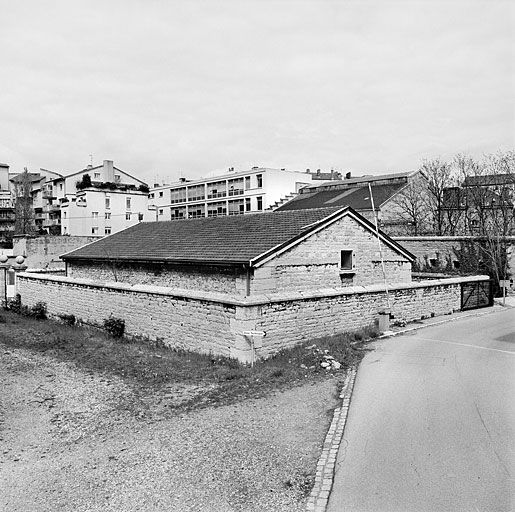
point(442, 250)
point(43, 252)
point(216, 322)
point(183, 322)
point(217, 279)
point(289, 271)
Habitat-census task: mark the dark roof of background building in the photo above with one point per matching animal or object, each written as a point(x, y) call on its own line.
point(356, 198)
point(489, 180)
point(227, 240)
point(357, 181)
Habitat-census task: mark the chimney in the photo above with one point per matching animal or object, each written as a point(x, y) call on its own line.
point(348, 176)
point(108, 171)
point(182, 180)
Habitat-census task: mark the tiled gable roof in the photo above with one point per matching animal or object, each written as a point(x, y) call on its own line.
point(229, 240)
point(356, 198)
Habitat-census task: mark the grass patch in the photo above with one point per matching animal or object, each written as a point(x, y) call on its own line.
point(149, 368)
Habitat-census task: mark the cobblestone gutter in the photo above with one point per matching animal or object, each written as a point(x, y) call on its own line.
point(319, 497)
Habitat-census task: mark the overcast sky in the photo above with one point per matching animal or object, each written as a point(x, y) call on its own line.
point(169, 88)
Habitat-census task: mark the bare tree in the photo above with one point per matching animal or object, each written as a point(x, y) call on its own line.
point(422, 202)
point(411, 208)
point(489, 188)
point(440, 178)
point(24, 212)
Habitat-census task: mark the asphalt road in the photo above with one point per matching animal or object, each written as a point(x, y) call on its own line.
point(431, 425)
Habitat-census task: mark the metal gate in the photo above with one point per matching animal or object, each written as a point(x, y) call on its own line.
point(476, 295)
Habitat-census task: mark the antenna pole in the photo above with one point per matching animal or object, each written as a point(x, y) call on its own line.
point(380, 247)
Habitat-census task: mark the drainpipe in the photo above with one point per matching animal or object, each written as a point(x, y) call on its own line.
point(247, 280)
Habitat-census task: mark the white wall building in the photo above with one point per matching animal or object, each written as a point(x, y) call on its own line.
point(232, 193)
point(110, 201)
point(114, 201)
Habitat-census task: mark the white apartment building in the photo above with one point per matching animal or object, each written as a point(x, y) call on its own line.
point(233, 193)
point(115, 200)
point(111, 200)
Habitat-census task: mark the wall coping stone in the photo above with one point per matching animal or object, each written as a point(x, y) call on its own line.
point(255, 300)
point(457, 238)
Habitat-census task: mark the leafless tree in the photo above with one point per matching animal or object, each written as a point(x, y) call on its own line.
point(489, 190)
point(411, 208)
point(440, 178)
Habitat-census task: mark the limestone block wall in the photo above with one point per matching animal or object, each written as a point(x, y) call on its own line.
point(216, 279)
point(43, 252)
point(289, 271)
point(442, 248)
point(182, 322)
point(216, 323)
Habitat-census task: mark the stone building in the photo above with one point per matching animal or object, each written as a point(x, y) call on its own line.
point(244, 286)
point(296, 250)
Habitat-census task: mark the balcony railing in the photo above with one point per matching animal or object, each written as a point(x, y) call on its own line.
point(236, 192)
point(52, 222)
point(49, 194)
point(216, 194)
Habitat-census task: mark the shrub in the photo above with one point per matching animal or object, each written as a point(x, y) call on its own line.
point(14, 304)
point(114, 326)
point(68, 319)
point(39, 311)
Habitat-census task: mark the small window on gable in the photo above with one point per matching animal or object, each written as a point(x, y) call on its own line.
point(347, 261)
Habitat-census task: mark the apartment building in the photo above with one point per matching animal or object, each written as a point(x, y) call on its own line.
point(97, 200)
point(6, 205)
point(109, 201)
point(233, 193)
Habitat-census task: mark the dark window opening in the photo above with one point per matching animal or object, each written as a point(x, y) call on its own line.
point(346, 260)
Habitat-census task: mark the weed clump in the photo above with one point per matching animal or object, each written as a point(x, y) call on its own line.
point(68, 319)
point(114, 326)
point(37, 311)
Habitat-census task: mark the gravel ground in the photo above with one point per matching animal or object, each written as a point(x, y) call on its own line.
point(77, 441)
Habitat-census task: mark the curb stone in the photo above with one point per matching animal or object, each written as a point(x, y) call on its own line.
point(324, 476)
point(475, 313)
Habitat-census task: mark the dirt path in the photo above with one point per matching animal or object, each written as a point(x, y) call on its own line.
point(77, 441)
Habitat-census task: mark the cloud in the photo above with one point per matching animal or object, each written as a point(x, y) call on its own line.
point(163, 87)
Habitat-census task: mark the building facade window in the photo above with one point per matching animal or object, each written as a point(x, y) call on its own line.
point(108, 203)
point(247, 204)
point(107, 215)
point(127, 216)
point(128, 201)
point(347, 260)
point(178, 195)
point(196, 193)
point(216, 209)
point(259, 179)
point(178, 213)
point(94, 215)
point(259, 200)
point(216, 189)
point(97, 176)
point(247, 182)
point(94, 231)
point(161, 193)
point(107, 231)
point(236, 207)
point(117, 178)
